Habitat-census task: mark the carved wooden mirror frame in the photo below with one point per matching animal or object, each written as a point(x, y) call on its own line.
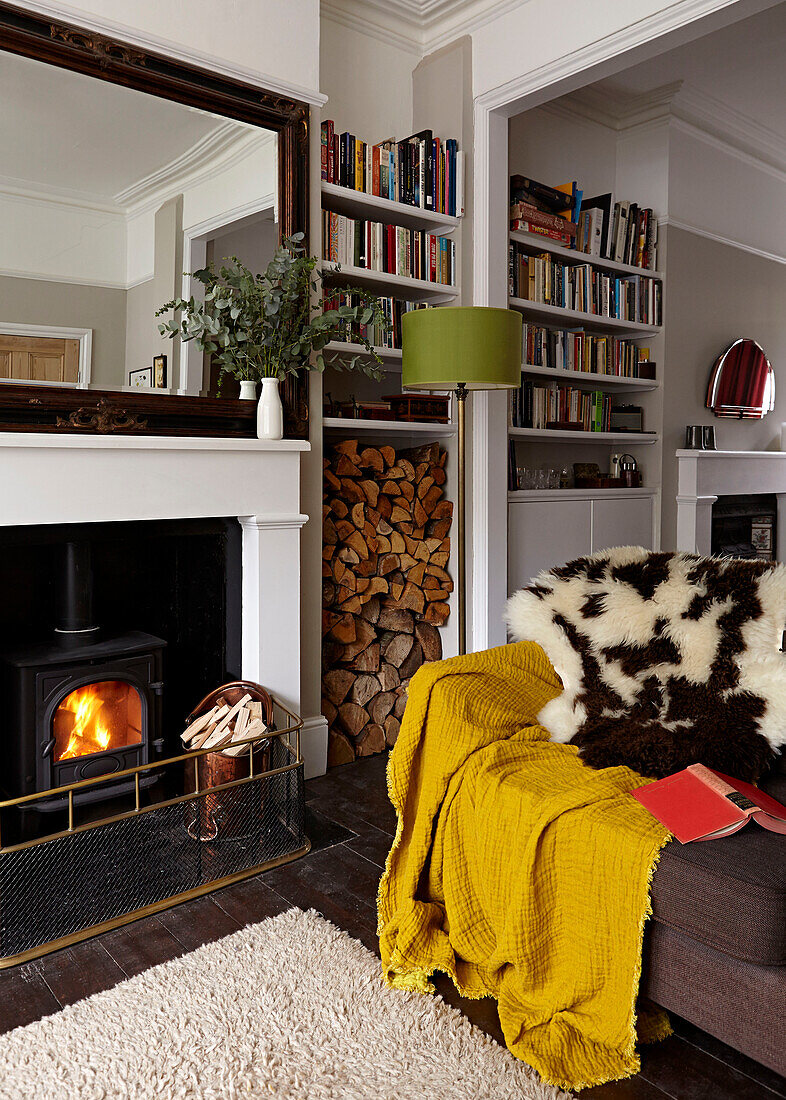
point(72, 47)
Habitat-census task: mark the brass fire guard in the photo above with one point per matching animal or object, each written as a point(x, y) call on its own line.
point(87, 878)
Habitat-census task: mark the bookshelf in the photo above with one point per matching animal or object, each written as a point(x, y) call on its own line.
point(553, 435)
point(391, 357)
point(534, 243)
point(357, 204)
point(397, 430)
point(591, 380)
point(384, 282)
point(557, 317)
point(578, 494)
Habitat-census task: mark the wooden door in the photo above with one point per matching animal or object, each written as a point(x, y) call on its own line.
point(39, 359)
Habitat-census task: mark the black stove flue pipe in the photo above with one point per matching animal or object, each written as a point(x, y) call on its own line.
point(75, 625)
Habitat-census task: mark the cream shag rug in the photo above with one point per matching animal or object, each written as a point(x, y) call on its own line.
point(291, 1007)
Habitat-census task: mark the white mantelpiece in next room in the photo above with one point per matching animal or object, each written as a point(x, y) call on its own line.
point(703, 476)
point(57, 478)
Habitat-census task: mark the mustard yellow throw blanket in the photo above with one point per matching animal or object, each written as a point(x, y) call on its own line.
point(517, 870)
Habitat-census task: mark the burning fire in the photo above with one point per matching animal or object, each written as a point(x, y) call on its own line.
point(88, 733)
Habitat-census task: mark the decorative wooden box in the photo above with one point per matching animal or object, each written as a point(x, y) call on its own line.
point(420, 407)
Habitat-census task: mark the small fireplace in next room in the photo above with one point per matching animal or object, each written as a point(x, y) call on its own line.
point(84, 704)
point(745, 526)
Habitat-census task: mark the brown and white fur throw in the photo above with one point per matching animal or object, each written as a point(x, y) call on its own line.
point(667, 659)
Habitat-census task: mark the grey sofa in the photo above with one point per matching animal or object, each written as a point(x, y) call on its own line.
point(715, 949)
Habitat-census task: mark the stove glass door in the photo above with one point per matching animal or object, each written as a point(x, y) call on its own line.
point(97, 718)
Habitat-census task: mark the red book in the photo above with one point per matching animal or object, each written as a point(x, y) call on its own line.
point(524, 212)
point(531, 227)
point(701, 804)
point(375, 171)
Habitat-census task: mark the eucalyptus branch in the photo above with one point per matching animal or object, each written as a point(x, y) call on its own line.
point(268, 325)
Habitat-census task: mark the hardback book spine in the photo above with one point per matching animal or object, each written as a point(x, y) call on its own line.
point(376, 166)
point(343, 177)
point(359, 162)
point(652, 241)
point(523, 226)
point(526, 212)
point(622, 231)
point(422, 175)
point(551, 197)
point(326, 135)
point(448, 178)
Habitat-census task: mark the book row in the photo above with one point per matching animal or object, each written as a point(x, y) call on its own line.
point(420, 171)
point(620, 231)
point(392, 249)
point(393, 308)
point(566, 349)
point(537, 406)
point(546, 281)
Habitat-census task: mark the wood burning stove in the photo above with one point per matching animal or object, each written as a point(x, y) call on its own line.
point(82, 706)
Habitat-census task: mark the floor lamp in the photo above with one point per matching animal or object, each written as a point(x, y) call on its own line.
point(461, 348)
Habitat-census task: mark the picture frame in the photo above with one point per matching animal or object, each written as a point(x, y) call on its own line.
point(141, 379)
point(159, 372)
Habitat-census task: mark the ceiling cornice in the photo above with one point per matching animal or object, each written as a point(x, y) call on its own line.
point(416, 26)
point(212, 154)
point(742, 135)
point(224, 147)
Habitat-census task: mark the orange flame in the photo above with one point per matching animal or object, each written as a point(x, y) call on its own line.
point(88, 734)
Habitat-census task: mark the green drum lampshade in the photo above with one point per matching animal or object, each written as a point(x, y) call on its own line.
point(475, 345)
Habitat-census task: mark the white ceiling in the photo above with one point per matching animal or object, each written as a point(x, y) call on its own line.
point(741, 68)
point(71, 135)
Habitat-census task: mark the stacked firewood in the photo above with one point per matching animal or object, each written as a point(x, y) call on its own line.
point(385, 587)
point(224, 725)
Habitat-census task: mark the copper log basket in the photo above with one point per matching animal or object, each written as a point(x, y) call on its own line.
point(219, 816)
point(211, 780)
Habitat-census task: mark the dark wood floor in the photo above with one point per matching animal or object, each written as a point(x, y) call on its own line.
point(351, 824)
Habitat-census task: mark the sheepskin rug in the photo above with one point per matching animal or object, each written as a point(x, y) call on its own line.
point(291, 1007)
point(667, 659)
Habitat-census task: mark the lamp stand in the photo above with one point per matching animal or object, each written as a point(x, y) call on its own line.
point(461, 402)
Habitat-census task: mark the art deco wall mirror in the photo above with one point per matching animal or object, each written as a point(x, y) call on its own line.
point(742, 382)
point(121, 171)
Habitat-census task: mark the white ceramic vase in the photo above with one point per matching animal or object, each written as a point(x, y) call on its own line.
point(270, 411)
point(248, 390)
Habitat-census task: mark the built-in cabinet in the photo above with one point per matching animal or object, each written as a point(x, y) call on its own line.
point(547, 528)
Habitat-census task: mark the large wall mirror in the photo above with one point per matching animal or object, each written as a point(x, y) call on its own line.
point(117, 178)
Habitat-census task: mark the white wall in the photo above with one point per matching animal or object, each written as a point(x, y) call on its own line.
point(715, 189)
point(62, 241)
point(368, 83)
point(535, 36)
point(273, 39)
point(535, 152)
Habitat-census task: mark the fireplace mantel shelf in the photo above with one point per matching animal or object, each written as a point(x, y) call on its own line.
point(703, 476)
point(732, 454)
point(81, 441)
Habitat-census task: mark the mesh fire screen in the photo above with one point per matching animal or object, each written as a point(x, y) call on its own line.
point(61, 886)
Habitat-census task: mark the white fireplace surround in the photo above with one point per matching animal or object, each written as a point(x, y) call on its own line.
point(703, 476)
point(58, 478)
